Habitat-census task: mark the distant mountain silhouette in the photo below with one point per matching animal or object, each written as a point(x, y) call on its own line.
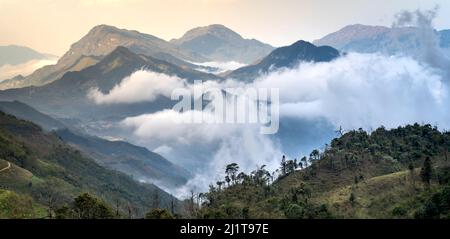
point(288, 56)
point(370, 39)
point(14, 55)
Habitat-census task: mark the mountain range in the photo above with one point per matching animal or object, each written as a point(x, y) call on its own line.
point(371, 39)
point(103, 40)
point(67, 97)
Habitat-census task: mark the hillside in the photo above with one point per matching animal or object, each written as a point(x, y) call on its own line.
point(138, 162)
point(52, 173)
point(285, 57)
point(219, 43)
point(359, 175)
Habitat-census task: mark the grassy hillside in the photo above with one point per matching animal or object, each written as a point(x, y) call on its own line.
point(52, 173)
point(359, 175)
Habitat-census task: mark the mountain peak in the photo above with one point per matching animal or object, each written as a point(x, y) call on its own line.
point(219, 43)
point(288, 56)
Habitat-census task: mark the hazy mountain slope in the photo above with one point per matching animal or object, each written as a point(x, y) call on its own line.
point(287, 56)
point(46, 168)
point(14, 55)
point(25, 112)
point(135, 161)
point(370, 39)
point(132, 160)
point(99, 42)
point(219, 43)
point(67, 97)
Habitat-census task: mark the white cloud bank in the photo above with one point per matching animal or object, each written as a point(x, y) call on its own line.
point(140, 86)
point(25, 69)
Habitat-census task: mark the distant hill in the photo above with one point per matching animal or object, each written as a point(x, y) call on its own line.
point(25, 112)
point(14, 55)
point(370, 39)
point(53, 173)
point(99, 42)
point(219, 43)
point(67, 97)
point(135, 161)
point(288, 57)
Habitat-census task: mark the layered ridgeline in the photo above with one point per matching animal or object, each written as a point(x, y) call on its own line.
point(137, 162)
point(398, 173)
point(221, 44)
point(98, 43)
point(49, 174)
point(285, 57)
point(68, 96)
point(371, 39)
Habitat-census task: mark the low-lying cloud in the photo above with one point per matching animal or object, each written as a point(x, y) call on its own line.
point(25, 69)
point(140, 86)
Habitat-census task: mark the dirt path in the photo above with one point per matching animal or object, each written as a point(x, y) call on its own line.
point(7, 167)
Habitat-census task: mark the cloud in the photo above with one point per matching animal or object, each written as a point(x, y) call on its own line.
point(140, 86)
point(10, 71)
point(363, 90)
point(219, 67)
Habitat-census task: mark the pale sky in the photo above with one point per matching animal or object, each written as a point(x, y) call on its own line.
point(51, 26)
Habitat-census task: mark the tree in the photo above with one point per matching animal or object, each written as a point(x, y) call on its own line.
point(231, 171)
point(158, 213)
point(305, 162)
point(89, 207)
point(219, 184)
point(426, 172)
point(314, 156)
point(283, 166)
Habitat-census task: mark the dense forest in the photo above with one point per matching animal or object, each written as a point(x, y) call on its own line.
point(398, 173)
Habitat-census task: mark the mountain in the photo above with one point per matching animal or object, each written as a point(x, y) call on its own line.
point(132, 160)
point(67, 97)
point(42, 166)
point(15, 55)
point(370, 39)
point(99, 42)
point(287, 56)
point(219, 43)
point(387, 174)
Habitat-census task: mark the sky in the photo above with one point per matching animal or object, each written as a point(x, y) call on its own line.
point(51, 26)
